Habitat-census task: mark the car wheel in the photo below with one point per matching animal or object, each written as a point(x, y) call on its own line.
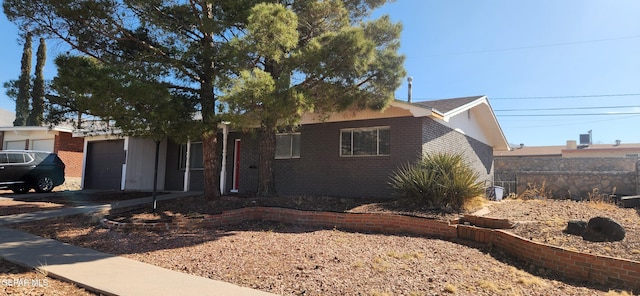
point(45, 184)
point(20, 190)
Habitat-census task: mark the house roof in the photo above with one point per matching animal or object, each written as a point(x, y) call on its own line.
point(485, 118)
point(559, 150)
point(447, 105)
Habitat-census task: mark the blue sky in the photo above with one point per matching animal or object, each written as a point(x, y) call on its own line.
point(523, 55)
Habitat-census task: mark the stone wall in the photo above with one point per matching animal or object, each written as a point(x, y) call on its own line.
point(570, 177)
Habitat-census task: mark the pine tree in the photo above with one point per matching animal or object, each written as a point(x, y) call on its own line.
point(37, 93)
point(24, 82)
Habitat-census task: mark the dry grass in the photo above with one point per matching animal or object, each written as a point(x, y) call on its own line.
point(535, 192)
point(618, 293)
point(488, 286)
point(449, 288)
point(474, 203)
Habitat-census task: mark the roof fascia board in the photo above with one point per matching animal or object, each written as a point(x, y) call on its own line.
point(465, 107)
point(37, 128)
point(418, 111)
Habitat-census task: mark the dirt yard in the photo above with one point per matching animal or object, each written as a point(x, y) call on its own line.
point(301, 260)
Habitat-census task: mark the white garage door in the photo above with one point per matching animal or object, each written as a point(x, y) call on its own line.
point(42, 145)
point(15, 145)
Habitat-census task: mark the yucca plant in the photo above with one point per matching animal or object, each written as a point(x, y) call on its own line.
point(441, 180)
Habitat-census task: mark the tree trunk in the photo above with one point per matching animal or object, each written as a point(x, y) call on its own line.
point(211, 165)
point(266, 170)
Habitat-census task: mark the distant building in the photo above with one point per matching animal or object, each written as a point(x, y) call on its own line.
point(571, 171)
point(6, 117)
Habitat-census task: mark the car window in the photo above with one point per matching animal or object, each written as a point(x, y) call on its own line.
point(3, 158)
point(16, 158)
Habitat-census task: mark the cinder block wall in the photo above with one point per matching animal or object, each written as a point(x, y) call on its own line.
point(570, 177)
point(439, 138)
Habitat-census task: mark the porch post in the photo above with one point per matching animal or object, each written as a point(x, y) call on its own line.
point(187, 167)
point(223, 167)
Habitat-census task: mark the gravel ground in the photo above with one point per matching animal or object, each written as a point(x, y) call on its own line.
point(11, 207)
point(17, 280)
point(544, 221)
point(300, 260)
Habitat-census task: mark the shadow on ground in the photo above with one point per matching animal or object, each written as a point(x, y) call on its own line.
point(81, 197)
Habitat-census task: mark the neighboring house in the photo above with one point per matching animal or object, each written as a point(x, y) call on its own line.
point(120, 163)
point(57, 139)
point(571, 171)
point(353, 153)
point(6, 117)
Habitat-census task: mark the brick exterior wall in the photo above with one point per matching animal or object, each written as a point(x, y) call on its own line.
point(66, 142)
point(439, 138)
point(70, 150)
point(570, 177)
point(321, 170)
point(612, 272)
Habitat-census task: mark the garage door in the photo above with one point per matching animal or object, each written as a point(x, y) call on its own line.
point(104, 164)
point(42, 145)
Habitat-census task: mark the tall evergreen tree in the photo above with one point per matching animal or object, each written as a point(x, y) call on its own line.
point(37, 93)
point(317, 56)
point(24, 84)
point(190, 48)
point(181, 43)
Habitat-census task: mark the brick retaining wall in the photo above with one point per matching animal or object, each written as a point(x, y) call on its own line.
point(615, 272)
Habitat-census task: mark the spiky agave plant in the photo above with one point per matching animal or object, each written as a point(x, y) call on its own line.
point(442, 180)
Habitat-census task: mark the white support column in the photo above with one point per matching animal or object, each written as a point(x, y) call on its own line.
point(223, 167)
point(187, 167)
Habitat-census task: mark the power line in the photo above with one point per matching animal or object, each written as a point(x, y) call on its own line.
point(566, 97)
point(573, 123)
point(568, 108)
point(535, 46)
point(535, 98)
point(569, 114)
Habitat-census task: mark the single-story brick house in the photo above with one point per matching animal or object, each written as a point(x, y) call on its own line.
point(347, 154)
point(57, 139)
point(351, 153)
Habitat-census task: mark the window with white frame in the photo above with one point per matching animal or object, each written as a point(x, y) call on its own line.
point(287, 145)
point(195, 156)
point(372, 141)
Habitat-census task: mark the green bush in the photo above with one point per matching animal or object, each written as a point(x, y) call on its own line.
point(440, 180)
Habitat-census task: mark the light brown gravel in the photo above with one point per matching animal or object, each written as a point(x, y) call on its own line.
point(544, 221)
point(299, 260)
point(17, 280)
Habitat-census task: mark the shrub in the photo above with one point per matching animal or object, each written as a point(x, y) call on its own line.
point(441, 180)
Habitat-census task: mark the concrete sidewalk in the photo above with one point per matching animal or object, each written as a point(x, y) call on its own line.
point(87, 209)
point(104, 273)
point(101, 272)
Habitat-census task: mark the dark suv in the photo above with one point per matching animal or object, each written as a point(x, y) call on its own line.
point(21, 170)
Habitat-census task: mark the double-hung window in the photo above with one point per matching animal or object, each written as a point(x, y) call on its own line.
point(373, 141)
point(195, 156)
point(287, 145)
